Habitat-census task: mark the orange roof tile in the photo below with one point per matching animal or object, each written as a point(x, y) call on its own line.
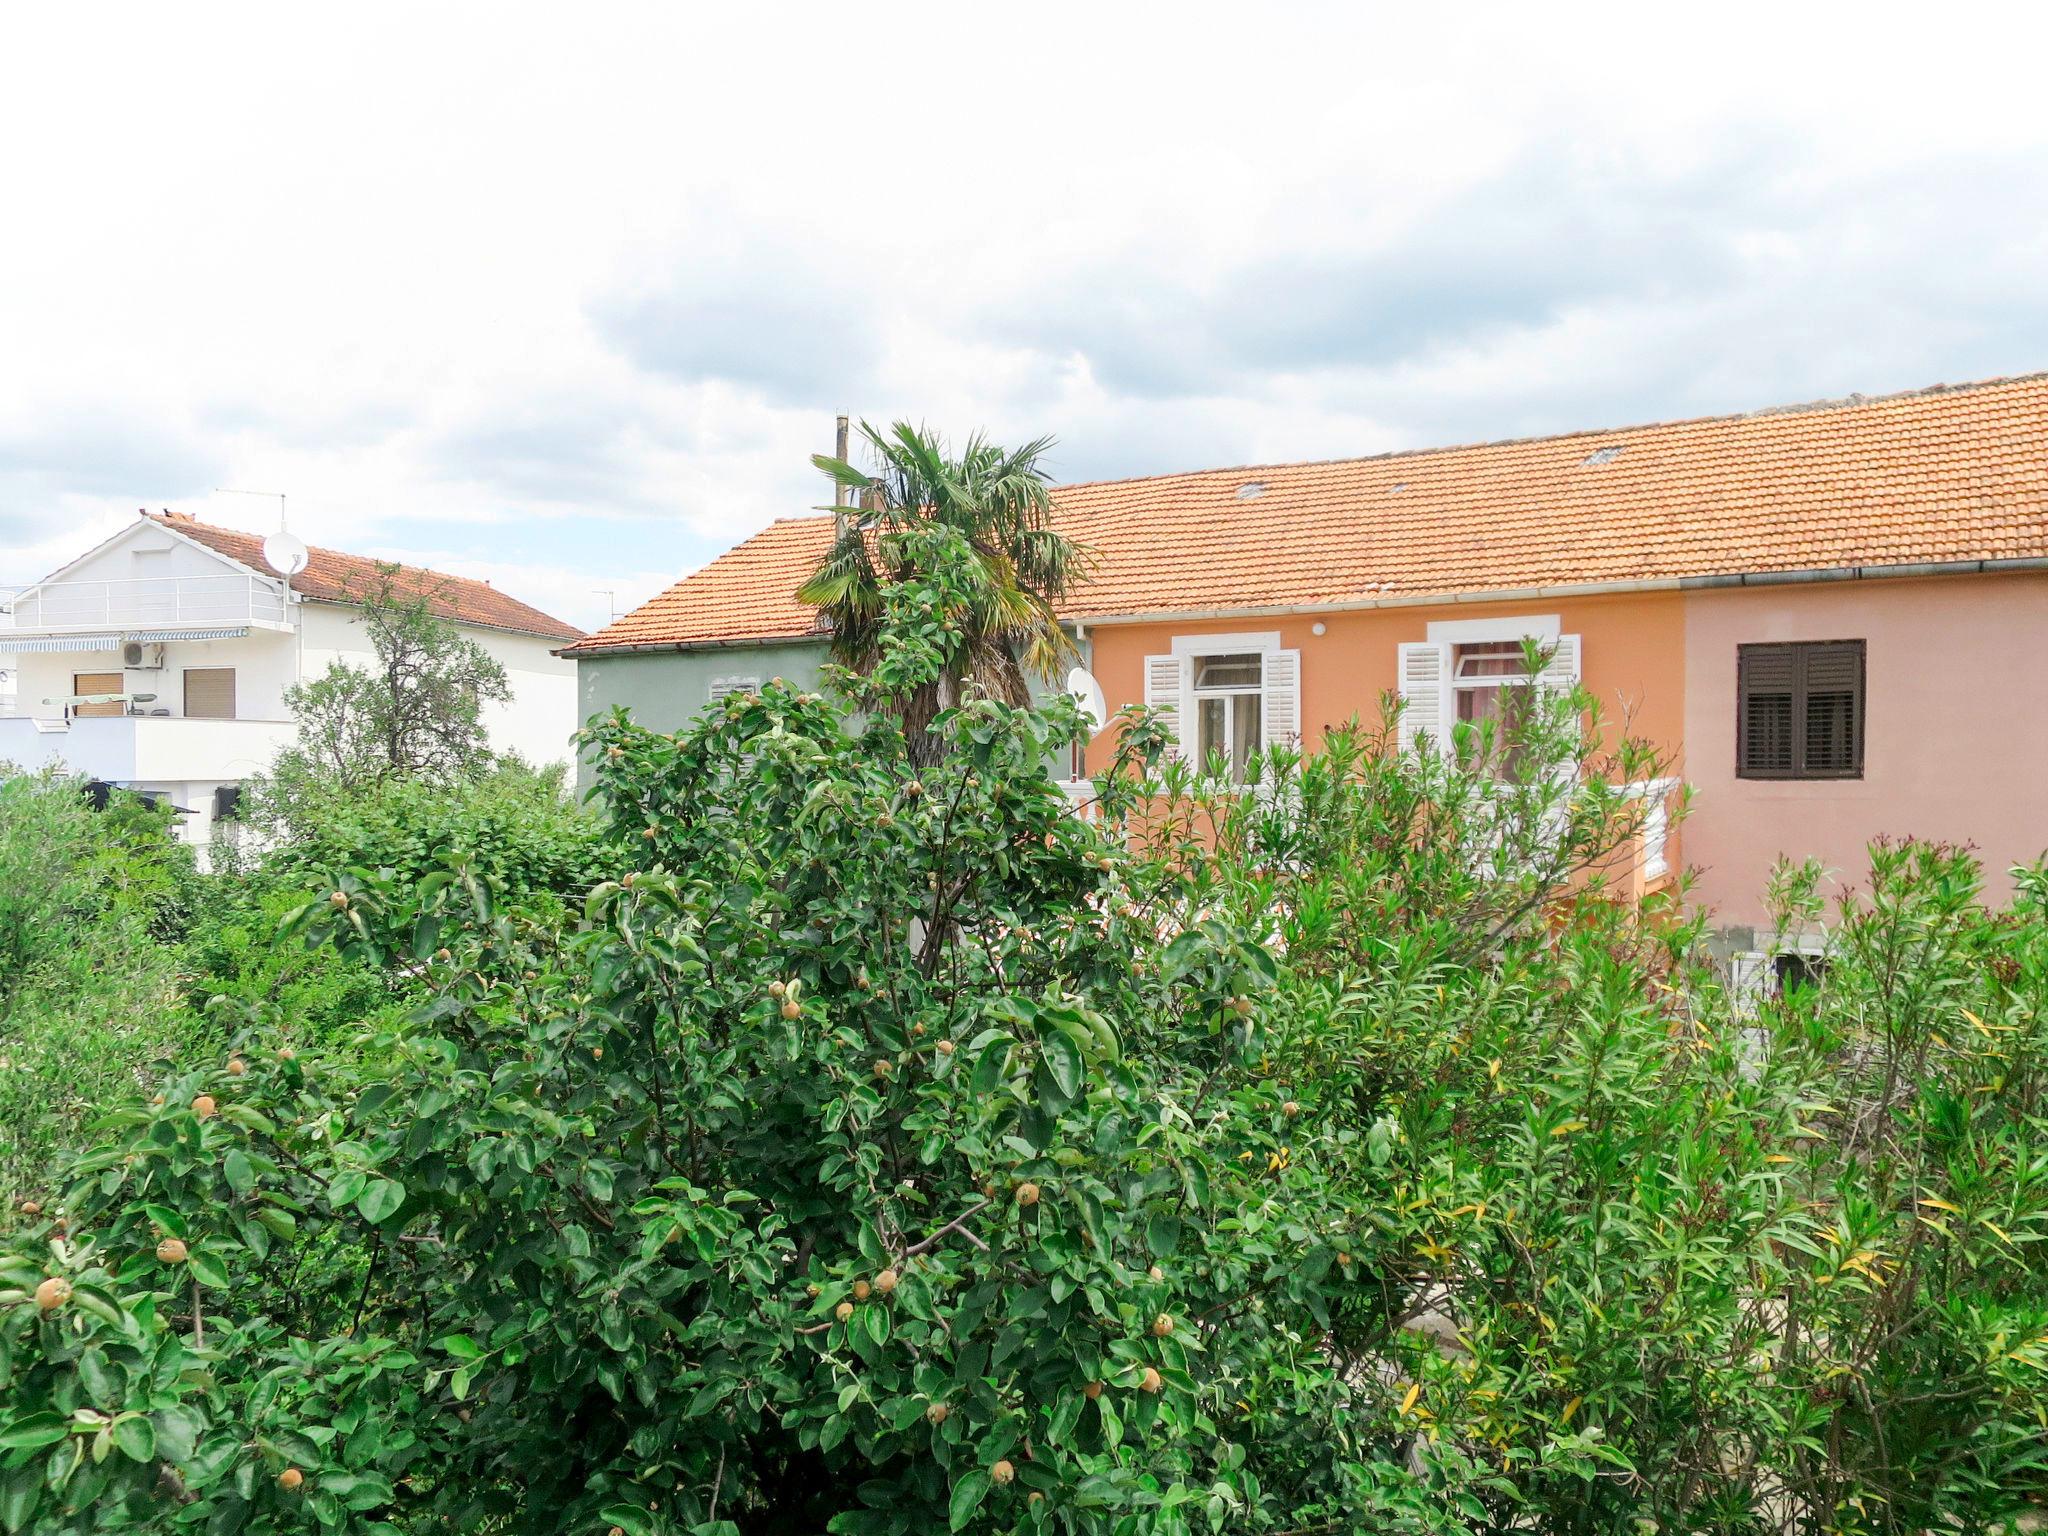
point(748, 593)
point(1942, 475)
point(331, 576)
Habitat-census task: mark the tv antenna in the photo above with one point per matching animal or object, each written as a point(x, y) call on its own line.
point(284, 552)
point(228, 490)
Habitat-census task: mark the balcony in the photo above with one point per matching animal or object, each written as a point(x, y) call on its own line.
point(145, 749)
point(176, 606)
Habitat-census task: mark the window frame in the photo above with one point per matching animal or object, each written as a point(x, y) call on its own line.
point(1191, 649)
point(1800, 651)
point(185, 693)
point(1232, 697)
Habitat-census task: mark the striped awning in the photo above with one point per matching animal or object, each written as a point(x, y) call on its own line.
point(115, 642)
point(233, 632)
point(61, 643)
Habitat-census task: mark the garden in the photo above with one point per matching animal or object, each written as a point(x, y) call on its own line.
point(826, 1128)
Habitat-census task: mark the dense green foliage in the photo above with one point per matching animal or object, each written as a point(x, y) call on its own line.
point(90, 904)
point(879, 1147)
point(124, 960)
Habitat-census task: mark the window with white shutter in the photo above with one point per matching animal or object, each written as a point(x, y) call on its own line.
point(1473, 670)
point(721, 686)
point(1227, 696)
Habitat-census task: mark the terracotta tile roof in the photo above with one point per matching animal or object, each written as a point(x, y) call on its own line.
point(334, 577)
point(747, 593)
point(1941, 475)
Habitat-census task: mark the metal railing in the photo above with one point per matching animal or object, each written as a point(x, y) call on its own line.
point(170, 602)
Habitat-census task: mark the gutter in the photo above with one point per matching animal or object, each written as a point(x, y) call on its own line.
point(648, 647)
point(1435, 599)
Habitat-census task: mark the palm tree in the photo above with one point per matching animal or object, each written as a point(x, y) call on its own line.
point(999, 502)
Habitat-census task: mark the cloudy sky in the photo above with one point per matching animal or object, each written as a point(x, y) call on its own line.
point(564, 296)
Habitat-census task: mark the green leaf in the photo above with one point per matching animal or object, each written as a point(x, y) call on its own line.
point(207, 1270)
point(968, 1494)
point(34, 1430)
point(1063, 1059)
point(20, 1491)
point(991, 1065)
point(1162, 1235)
point(461, 1346)
point(238, 1171)
point(381, 1200)
point(136, 1437)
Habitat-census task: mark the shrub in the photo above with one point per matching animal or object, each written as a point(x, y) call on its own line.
point(515, 829)
point(87, 900)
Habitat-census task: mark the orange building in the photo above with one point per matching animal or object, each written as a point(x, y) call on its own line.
point(1830, 615)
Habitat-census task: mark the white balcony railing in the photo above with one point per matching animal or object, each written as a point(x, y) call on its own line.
point(147, 602)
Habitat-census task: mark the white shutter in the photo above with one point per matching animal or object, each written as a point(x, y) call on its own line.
point(721, 686)
point(1282, 704)
point(1425, 679)
point(1165, 682)
point(1562, 670)
point(1657, 830)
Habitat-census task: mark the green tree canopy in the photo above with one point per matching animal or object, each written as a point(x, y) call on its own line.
point(416, 714)
point(1012, 566)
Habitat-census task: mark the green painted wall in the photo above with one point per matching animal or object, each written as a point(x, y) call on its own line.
point(664, 690)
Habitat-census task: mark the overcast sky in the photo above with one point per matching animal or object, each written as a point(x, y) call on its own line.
point(565, 296)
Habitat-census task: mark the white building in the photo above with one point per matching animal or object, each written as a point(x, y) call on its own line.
point(184, 640)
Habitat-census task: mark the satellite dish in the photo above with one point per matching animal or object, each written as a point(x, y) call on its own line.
point(1087, 693)
point(285, 553)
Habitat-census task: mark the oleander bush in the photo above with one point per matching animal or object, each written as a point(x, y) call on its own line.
point(879, 1147)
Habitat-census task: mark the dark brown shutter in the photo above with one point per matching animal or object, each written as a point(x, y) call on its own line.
point(1799, 710)
point(1832, 734)
point(209, 693)
point(1766, 685)
point(99, 682)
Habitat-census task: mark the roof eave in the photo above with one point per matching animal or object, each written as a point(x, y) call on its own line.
point(449, 618)
point(1576, 589)
point(582, 649)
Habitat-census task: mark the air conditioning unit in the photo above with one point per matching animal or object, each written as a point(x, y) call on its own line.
point(141, 656)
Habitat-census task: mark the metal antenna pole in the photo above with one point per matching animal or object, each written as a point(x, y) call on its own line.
point(228, 490)
point(298, 630)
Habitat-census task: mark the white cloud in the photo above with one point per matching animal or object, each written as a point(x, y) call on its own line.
point(568, 297)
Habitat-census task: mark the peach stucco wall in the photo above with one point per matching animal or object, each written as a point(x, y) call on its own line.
point(1632, 656)
point(1956, 729)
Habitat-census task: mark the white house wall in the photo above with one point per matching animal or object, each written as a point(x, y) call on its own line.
point(536, 723)
point(145, 551)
